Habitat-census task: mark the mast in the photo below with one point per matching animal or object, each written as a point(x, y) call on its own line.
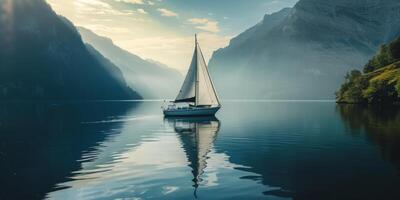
point(197, 72)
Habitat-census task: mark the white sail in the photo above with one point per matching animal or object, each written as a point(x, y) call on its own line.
point(198, 87)
point(206, 94)
point(188, 90)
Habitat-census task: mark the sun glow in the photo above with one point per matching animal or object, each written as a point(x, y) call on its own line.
point(7, 19)
point(164, 30)
point(143, 30)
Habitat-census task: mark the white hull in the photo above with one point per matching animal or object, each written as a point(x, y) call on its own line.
point(192, 111)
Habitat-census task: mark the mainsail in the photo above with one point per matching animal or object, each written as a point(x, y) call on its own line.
point(198, 87)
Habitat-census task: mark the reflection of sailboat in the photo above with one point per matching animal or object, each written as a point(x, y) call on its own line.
point(198, 91)
point(197, 136)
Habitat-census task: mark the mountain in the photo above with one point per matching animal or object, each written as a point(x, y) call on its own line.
point(303, 52)
point(150, 78)
point(380, 82)
point(42, 57)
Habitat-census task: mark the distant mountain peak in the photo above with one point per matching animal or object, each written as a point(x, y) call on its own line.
point(150, 78)
point(104, 39)
point(303, 52)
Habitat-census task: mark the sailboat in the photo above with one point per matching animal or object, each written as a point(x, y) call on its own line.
point(197, 96)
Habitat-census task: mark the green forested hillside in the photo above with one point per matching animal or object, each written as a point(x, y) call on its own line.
point(378, 83)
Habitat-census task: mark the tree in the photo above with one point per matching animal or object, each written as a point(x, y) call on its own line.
point(379, 87)
point(398, 88)
point(352, 90)
point(382, 59)
point(395, 49)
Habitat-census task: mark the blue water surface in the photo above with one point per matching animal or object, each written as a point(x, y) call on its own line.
point(300, 150)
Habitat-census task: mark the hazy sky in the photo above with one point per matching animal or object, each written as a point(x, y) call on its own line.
point(164, 30)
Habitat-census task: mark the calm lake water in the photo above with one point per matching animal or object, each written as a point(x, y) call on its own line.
point(251, 150)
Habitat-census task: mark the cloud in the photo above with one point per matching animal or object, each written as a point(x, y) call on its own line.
point(167, 13)
point(131, 1)
point(205, 24)
point(97, 7)
point(150, 3)
point(142, 11)
point(140, 34)
point(198, 20)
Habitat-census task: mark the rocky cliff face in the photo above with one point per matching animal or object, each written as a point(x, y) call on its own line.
point(42, 56)
point(303, 52)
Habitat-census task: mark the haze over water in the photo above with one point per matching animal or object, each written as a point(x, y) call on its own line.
point(251, 150)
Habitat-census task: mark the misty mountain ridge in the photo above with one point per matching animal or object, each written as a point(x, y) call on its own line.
point(42, 56)
point(150, 78)
point(304, 52)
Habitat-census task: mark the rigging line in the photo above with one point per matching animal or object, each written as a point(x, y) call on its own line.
point(212, 84)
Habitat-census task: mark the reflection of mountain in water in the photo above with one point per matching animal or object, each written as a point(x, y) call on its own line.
point(34, 136)
point(381, 125)
point(301, 151)
point(197, 136)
